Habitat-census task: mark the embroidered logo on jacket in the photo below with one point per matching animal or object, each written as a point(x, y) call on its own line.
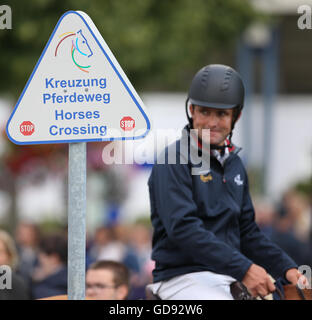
point(238, 180)
point(205, 178)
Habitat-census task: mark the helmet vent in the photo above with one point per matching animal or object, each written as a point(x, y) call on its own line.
point(226, 82)
point(204, 77)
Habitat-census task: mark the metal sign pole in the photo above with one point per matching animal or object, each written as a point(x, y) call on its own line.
point(77, 178)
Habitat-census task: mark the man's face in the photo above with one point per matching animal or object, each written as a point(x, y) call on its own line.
point(219, 122)
point(100, 285)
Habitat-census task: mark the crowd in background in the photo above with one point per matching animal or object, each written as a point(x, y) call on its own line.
point(39, 260)
point(289, 224)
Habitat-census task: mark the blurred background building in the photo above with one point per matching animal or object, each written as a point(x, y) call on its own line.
point(160, 45)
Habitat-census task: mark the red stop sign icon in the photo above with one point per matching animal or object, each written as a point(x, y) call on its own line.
point(27, 128)
point(127, 123)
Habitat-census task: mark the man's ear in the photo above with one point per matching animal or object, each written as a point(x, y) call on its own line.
point(191, 109)
point(122, 292)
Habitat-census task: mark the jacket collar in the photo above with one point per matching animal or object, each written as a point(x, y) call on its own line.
point(233, 150)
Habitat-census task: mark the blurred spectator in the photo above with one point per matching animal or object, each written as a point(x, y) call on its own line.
point(284, 227)
point(109, 246)
point(129, 245)
point(265, 216)
point(292, 227)
point(8, 257)
point(140, 242)
point(107, 280)
point(27, 237)
point(297, 209)
point(50, 276)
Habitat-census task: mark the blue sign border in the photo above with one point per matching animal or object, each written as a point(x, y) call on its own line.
point(78, 140)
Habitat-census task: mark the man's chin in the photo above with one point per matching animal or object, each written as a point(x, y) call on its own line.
point(208, 140)
point(212, 141)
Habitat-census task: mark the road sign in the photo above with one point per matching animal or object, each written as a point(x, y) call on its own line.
point(77, 91)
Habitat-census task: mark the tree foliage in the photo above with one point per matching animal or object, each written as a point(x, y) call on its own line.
point(159, 43)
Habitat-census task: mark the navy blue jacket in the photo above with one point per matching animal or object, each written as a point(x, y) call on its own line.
point(207, 223)
point(53, 285)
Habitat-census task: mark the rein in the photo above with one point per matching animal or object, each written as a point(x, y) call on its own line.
point(291, 292)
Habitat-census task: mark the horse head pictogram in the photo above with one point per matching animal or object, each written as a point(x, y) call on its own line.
point(79, 44)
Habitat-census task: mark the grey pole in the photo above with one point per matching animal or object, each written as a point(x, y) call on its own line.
point(245, 68)
point(77, 179)
point(270, 84)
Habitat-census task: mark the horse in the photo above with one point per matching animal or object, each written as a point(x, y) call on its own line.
point(79, 44)
point(292, 292)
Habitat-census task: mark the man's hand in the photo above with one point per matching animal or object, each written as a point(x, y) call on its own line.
point(295, 277)
point(258, 281)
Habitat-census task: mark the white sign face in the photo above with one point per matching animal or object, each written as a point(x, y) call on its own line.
point(77, 91)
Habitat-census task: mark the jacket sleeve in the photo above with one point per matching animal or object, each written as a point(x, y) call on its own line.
point(178, 214)
point(255, 244)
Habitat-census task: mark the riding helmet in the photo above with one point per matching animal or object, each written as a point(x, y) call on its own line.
point(217, 86)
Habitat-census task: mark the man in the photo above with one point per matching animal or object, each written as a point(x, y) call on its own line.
point(50, 276)
point(205, 237)
point(107, 280)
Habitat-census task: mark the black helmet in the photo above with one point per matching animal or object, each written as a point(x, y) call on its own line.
point(217, 86)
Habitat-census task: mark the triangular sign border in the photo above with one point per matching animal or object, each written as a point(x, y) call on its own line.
point(114, 68)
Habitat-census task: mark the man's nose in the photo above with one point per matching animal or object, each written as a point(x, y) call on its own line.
point(212, 121)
